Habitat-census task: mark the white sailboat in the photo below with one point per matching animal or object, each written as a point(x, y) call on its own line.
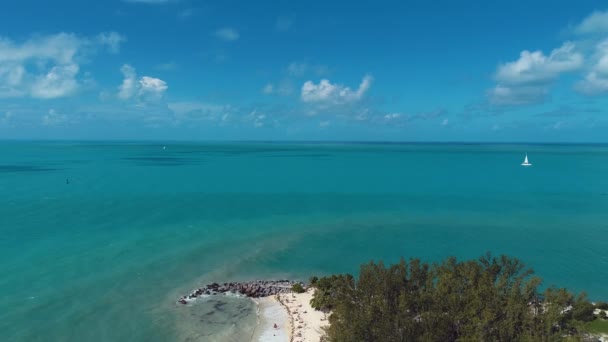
point(526, 163)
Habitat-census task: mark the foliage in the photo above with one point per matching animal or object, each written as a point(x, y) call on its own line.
point(489, 299)
point(297, 288)
point(602, 305)
point(583, 309)
point(313, 280)
point(603, 315)
point(597, 326)
point(326, 290)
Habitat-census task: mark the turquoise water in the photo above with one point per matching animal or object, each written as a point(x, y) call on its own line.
point(104, 257)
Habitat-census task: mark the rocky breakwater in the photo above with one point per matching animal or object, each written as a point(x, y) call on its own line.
point(252, 289)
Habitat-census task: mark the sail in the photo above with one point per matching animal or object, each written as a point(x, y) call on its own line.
point(526, 160)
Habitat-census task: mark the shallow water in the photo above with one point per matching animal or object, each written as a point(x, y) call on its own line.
point(106, 256)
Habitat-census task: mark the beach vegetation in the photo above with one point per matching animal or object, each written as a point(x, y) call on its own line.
point(297, 288)
point(326, 290)
point(602, 305)
point(597, 326)
point(487, 299)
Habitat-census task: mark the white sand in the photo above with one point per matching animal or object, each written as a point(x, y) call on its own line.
point(307, 323)
point(271, 312)
point(297, 321)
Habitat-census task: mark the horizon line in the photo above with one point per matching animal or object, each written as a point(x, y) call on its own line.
point(267, 141)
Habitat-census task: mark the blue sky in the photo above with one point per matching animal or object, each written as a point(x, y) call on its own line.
point(314, 70)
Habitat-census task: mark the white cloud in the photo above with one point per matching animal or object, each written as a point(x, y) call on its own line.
point(60, 81)
point(326, 92)
point(445, 122)
point(596, 80)
point(392, 119)
point(324, 124)
point(257, 118)
point(129, 83)
point(596, 22)
point(268, 89)
point(535, 67)
point(593, 84)
point(392, 116)
point(48, 66)
point(151, 85)
point(528, 79)
point(112, 40)
point(145, 88)
point(227, 34)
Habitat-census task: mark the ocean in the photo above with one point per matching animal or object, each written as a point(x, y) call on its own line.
point(98, 240)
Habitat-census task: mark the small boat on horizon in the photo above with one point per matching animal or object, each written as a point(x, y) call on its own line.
point(526, 163)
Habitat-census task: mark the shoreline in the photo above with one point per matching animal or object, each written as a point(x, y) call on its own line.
point(306, 323)
point(297, 321)
point(270, 312)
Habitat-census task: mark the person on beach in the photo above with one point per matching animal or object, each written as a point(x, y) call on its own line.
point(276, 326)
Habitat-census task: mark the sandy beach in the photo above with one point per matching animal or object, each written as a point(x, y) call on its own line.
point(296, 320)
point(271, 312)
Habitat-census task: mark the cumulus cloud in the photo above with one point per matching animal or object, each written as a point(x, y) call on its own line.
point(151, 85)
point(129, 83)
point(227, 34)
point(330, 93)
point(144, 88)
point(535, 67)
point(48, 66)
point(596, 79)
point(60, 81)
point(528, 79)
point(596, 22)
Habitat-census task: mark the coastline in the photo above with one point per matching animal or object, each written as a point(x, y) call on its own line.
point(296, 320)
point(271, 311)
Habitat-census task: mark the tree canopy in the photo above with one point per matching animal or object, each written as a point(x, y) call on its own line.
point(488, 299)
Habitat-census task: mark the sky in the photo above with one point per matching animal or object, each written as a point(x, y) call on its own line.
point(503, 71)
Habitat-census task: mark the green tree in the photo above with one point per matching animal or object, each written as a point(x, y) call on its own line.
point(489, 299)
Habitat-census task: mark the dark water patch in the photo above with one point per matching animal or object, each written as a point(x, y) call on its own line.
point(26, 168)
point(162, 161)
point(308, 155)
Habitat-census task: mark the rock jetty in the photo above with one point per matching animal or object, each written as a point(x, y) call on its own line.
point(252, 289)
